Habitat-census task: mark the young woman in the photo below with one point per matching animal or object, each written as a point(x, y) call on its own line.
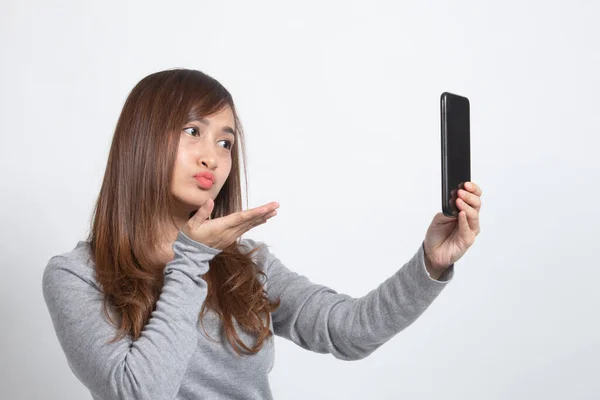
point(165, 300)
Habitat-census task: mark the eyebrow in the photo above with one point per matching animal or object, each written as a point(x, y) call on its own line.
point(225, 128)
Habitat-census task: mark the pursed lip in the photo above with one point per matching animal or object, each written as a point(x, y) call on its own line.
point(206, 175)
point(205, 179)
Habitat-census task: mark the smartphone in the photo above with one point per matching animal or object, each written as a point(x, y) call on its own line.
point(456, 149)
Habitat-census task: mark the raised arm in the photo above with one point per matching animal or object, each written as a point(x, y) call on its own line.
point(319, 319)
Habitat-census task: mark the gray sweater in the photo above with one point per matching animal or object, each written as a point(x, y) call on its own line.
point(174, 359)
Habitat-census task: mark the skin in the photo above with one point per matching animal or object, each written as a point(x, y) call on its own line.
point(206, 146)
point(448, 238)
point(203, 146)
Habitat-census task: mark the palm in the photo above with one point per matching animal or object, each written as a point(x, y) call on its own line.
point(444, 239)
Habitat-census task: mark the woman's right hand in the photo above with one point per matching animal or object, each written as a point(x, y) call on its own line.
point(220, 232)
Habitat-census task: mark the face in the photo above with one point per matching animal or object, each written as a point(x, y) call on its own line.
point(205, 146)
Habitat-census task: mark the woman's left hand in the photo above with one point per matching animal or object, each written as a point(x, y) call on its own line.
point(448, 238)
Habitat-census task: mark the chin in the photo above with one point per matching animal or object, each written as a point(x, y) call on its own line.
point(191, 202)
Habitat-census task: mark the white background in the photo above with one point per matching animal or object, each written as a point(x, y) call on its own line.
point(340, 104)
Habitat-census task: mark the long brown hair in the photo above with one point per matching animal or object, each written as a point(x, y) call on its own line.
point(135, 200)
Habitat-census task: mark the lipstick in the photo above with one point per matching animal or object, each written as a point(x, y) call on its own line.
point(205, 179)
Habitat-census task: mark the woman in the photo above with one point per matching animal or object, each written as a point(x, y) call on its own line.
point(164, 300)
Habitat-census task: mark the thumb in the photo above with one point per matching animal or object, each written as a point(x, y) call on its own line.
point(204, 211)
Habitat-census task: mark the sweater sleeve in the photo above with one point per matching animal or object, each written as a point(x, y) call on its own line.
point(151, 367)
point(319, 319)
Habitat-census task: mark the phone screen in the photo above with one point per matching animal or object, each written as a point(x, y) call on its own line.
point(456, 152)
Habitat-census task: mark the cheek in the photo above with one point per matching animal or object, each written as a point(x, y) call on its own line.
point(185, 156)
point(185, 160)
point(180, 170)
point(226, 170)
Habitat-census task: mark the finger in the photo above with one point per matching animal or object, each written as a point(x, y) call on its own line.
point(261, 219)
point(268, 212)
point(204, 211)
point(472, 215)
point(257, 220)
point(470, 198)
point(247, 216)
point(442, 219)
point(463, 227)
point(473, 188)
point(254, 223)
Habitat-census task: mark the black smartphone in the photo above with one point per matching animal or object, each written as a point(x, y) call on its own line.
point(456, 149)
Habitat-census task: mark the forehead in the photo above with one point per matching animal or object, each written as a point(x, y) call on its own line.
point(222, 120)
point(224, 115)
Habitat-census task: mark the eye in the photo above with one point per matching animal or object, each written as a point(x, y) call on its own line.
point(228, 143)
point(193, 129)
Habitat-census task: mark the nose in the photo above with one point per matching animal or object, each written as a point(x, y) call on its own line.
point(208, 159)
point(207, 162)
